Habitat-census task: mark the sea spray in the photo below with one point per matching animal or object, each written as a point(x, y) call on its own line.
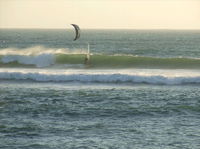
point(38, 56)
point(42, 60)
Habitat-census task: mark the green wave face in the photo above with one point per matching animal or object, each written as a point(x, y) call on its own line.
point(119, 61)
point(110, 61)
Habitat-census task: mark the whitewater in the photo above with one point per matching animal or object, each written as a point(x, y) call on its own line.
point(136, 76)
point(42, 64)
point(42, 57)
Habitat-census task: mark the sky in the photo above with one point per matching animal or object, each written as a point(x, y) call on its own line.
point(101, 14)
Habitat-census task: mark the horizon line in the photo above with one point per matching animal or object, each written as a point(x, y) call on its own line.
point(107, 28)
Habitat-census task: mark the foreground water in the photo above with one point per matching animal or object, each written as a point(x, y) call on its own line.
point(60, 115)
point(141, 89)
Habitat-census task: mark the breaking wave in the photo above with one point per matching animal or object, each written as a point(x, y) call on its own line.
point(34, 56)
point(44, 57)
point(99, 77)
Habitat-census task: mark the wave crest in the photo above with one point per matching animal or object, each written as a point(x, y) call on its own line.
point(100, 78)
point(44, 57)
point(42, 60)
point(38, 56)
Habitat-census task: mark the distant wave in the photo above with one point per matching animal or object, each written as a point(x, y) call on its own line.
point(44, 57)
point(99, 78)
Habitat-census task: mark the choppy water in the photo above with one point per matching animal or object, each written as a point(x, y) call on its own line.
point(141, 89)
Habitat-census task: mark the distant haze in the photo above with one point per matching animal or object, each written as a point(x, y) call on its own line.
point(105, 14)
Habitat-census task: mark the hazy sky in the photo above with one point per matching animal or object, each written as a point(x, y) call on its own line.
point(128, 14)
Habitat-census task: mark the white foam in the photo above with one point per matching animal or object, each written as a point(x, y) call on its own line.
point(98, 77)
point(38, 50)
point(42, 60)
point(38, 55)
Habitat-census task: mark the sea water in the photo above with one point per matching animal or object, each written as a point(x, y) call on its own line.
point(141, 89)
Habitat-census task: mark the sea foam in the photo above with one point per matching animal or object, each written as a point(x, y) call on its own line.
point(42, 60)
point(99, 77)
point(37, 55)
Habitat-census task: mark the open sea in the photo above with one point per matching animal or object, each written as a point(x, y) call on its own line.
point(140, 90)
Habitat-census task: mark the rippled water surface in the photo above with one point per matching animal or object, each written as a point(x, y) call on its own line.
point(64, 115)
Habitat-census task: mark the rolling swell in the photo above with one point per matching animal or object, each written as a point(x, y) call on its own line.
point(99, 61)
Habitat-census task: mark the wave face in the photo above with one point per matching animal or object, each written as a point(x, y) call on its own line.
point(45, 57)
point(128, 61)
point(102, 76)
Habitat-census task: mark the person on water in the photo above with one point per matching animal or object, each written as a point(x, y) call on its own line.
point(87, 57)
point(87, 60)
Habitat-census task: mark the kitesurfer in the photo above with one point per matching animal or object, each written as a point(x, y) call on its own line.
point(77, 36)
point(86, 62)
point(87, 57)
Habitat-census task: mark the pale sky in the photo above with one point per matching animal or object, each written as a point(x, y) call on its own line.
point(105, 14)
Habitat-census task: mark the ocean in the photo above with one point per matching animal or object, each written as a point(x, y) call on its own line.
point(141, 89)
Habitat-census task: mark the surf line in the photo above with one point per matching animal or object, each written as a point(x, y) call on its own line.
point(77, 36)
